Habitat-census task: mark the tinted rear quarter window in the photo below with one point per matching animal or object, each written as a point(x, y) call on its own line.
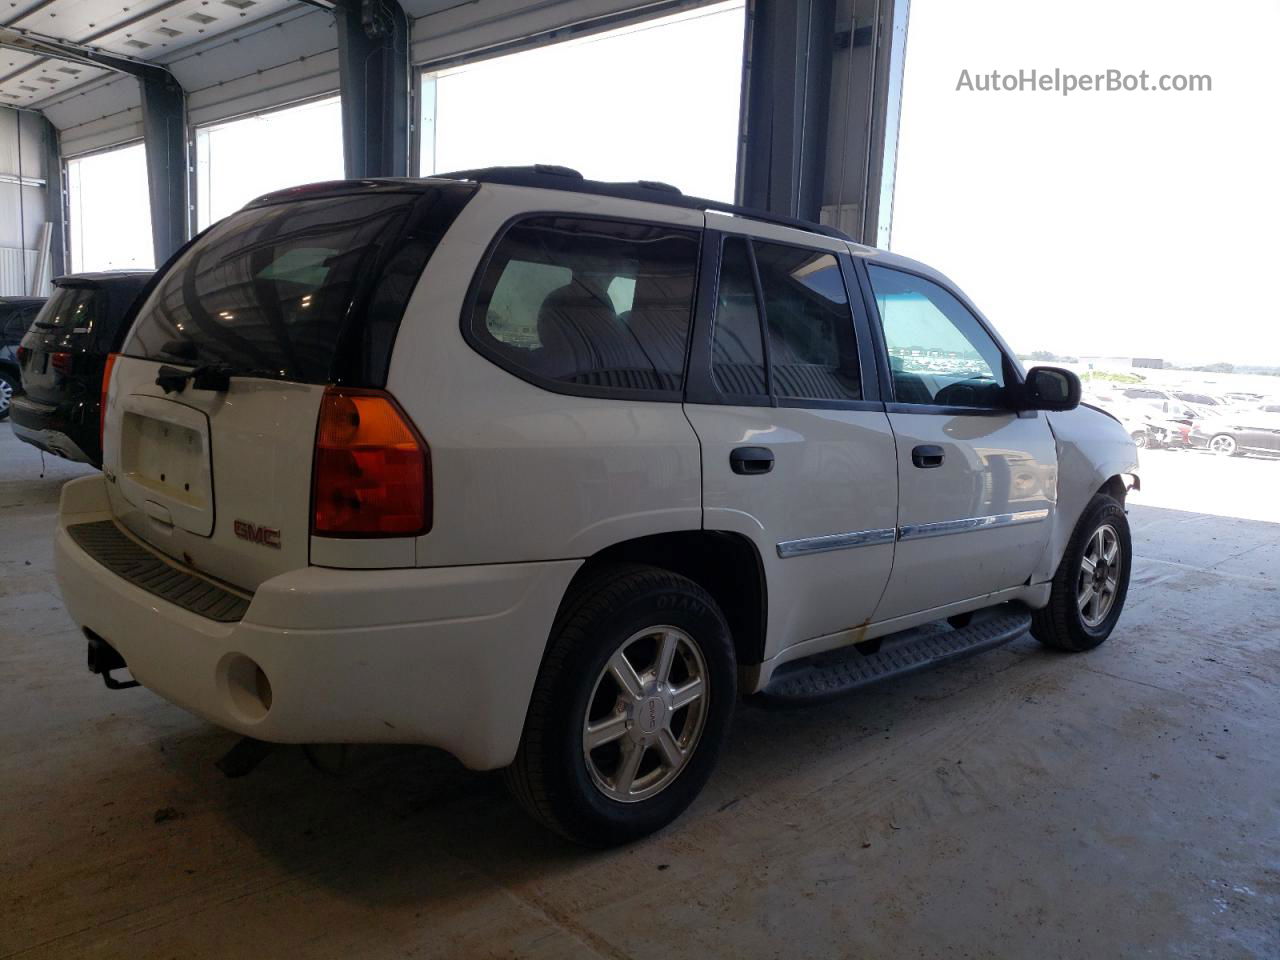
point(294, 290)
point(599, 306)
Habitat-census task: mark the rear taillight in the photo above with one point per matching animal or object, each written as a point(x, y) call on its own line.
point(23, 353)
point(106, 388)
point(61, 362)
point(372, 472)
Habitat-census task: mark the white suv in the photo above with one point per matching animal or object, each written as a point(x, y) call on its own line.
point(547, 473)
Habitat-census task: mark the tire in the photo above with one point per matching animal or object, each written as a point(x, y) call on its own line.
point(1064, 623)
point(9, 388)
point(1140, 439)
point(1224, 445)
point(588, 796)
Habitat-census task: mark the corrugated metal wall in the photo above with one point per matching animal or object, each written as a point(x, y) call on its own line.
point(16, 278)
point(23, 198)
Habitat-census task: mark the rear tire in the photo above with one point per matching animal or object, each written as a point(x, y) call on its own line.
point(607, 755)
point(1140, 439)
point(1092, 580)
point(9, 388)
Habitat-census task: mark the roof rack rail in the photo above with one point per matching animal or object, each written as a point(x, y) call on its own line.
point(551, 177)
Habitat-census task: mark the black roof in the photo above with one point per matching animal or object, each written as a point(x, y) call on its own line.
point(20, 301)
point(549, 177)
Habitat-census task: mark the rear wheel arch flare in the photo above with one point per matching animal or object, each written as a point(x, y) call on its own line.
point(727, 565)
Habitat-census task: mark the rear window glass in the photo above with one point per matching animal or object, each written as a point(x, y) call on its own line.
point(70, 309)
point(597, 304)
point(283, 290)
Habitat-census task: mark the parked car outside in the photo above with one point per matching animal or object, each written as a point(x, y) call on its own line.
point(547, 473)
point(63, 357)
point(16, 314)
point(1149, 433)
point(1253, 431)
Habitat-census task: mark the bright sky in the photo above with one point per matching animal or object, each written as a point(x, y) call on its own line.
point(110, 212)
point(1100, 223)
point(239, 161)
point(658, 101)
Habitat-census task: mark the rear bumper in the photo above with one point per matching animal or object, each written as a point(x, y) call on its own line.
point(44, 426)
point(441, 656)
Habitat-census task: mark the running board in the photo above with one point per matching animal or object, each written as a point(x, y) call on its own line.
point(825, 676)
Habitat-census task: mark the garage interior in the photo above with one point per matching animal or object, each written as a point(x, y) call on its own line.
point(1020, 803)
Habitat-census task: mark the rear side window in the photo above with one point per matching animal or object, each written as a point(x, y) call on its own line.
point(811, 345)
point(737, 349)
point(812, 350)
point(309, 290)
point(599, 305)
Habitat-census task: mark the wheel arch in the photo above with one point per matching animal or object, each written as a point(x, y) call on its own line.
point(1095, 455)
point(726, 565)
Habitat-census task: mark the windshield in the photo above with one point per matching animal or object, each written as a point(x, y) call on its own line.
point(273, 290)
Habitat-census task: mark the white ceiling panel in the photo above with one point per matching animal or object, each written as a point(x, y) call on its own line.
point(465, 28)
point(102, 132)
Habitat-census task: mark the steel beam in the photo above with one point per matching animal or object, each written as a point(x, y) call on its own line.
point(787, 87)
point(164, 125)
point(865, 104)
point(373, 71)
point(55, 200)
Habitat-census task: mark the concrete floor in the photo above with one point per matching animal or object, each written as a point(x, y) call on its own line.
point(1124, 802)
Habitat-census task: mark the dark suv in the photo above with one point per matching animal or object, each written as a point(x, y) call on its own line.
point(16, 314)
point(62, 359)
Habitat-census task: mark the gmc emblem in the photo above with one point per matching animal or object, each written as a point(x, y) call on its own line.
point(266, 536)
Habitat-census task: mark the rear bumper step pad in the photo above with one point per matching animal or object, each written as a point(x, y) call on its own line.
point(828, 675)
point(114, 549)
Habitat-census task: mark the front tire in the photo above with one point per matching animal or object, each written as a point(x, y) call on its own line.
point(1092, 580)
point(1224, 445)
point(630, 709)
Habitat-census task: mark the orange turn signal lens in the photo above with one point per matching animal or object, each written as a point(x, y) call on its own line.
point(371, 475)
point(102, 400)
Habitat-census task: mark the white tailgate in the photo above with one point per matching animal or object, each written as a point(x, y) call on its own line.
point(220, 481)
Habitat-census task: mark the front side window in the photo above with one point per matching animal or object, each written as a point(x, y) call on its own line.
point(591, 303)
point(938, 351)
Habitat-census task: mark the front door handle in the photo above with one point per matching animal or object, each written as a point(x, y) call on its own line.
point(751, 461)
point(927, 455)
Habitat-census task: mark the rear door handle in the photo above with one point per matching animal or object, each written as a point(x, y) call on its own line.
point(751, 461)
point(927, 456)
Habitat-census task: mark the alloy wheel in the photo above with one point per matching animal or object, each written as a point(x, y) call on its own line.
point(1099, 576)
point(6, 395)
point(646, 713)
point(1223, 444)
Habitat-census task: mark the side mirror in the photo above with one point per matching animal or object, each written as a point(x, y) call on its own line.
point(1051, 388)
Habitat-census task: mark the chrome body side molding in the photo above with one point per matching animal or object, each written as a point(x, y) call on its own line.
point(835, 541)
point(915, 531)
point(921, 531)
